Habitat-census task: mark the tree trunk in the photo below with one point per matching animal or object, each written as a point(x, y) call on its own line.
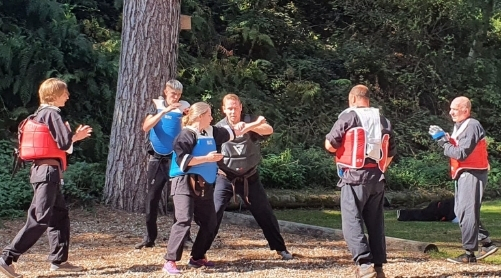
point(481, 35)
point(148, 59)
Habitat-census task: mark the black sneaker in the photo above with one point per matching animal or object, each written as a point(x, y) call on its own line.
point(486, 251)
point(463, 259)
point(379, 272)
point(144, 243)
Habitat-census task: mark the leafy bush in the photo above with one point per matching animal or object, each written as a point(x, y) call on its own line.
point(493, 188)
point(15, 192)
point(319, 168)
point(299, 168)
point(83, 184)
point(427, 171)
point(282, 171)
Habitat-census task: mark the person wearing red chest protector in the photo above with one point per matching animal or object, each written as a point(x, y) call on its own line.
point(364, 145)
point(48, 211)
point(467, 151)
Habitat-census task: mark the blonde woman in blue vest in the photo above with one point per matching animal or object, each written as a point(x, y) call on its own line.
point(193, 172)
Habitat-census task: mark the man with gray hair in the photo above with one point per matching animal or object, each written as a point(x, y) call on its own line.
point(163, 124)
point(467, 151)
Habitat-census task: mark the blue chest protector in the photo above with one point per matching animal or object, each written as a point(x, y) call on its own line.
point(163, 133)
point(208, 170)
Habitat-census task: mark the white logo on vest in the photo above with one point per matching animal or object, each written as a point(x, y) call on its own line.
point(239, 149)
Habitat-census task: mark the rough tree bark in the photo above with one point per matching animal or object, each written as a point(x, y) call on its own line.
point(148, 59)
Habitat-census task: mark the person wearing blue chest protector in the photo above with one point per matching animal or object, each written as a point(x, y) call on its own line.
point(238, 174)
point(467, 151)
point(162, 124)
point(193, 171)
point(48, 139)
point(364, 146)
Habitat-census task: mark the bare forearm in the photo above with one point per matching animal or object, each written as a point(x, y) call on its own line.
point(151, 121)
point(329, 147)
point(196, 160)
point(257, 127)
point(263, 129)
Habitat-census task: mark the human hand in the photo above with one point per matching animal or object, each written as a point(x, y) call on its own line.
point(67, 125)
point(171, 107)
point(261, 120)
point(239, 126)
point(82, 132)
point(214, 156)
point(436, 132)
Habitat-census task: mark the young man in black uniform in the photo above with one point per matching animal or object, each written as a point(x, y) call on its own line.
point(48, 211)
point(364, 145)
point(238, 174)
point(162, 124)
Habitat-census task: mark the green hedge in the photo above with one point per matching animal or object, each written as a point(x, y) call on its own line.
point(83, 184)
point(290, 169)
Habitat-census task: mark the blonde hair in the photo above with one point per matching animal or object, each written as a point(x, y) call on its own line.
point(196, 110)
point(229, 97)
point(51, 89)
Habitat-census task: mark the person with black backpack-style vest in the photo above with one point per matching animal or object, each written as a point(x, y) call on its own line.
point(238, 173)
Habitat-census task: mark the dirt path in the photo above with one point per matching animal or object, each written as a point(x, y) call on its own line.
point(103, 241)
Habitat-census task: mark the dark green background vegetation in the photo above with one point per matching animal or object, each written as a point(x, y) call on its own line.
point(291, 61)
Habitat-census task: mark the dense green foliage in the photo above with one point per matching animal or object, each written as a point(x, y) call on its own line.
point(291, 61)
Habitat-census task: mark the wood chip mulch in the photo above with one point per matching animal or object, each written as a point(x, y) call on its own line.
point(103, 243)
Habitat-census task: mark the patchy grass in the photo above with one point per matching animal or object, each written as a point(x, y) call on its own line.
point(446, 235)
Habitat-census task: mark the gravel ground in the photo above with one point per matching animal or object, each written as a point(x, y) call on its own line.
point(103, 243)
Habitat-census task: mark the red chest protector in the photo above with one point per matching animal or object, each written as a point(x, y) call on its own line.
point(477, 160)
point(352, 153)
point(36, 142)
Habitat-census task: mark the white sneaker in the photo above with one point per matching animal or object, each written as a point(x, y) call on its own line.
point(8, 270)
point(285, 255)
point(67, 267)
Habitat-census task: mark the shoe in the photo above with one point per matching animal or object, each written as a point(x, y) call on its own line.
point(285, 255)
point(67, 267)
point(200, 263)
point(8, 270)
point(144, 243)
point(365, 271)
point(463, 259)
point(379, 272)
point(171, 268)
point(486, 251)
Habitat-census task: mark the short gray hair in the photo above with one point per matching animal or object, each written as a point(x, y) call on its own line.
point(174, 84)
